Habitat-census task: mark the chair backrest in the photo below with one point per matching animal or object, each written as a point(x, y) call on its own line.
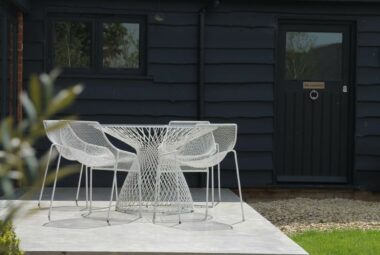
point(203, 145)
point(54, 130)
point(225, 136)
point(87, 153)
point(91, 132)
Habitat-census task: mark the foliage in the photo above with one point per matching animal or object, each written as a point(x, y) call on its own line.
point(19, 165)
point(72, 44)
point(121, 45)
point(340, 242)
point(9, 244)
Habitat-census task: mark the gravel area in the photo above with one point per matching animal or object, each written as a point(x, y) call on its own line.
point(301, 214)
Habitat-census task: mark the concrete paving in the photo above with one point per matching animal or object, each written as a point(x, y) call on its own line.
point(71, 231)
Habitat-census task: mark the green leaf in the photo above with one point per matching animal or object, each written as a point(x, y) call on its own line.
point(35, 92)
point(6, 127)
point(28, 107)
point(64, 99)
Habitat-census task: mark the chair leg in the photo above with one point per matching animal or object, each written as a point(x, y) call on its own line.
point(207, 191)
point(54, 185)
point(140, 194)
point(110, 203)
point(86, 175)
point(79, 183)
point(178, 197)
point(90, 211)
point(116, 188)
point(212, 186)
point(239, 185)
point(44, 180)
point(156, 195)
point(219, 187)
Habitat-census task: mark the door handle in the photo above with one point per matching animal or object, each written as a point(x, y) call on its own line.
point(345, 89)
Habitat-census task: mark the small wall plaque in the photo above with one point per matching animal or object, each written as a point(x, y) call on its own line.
point(313, 85)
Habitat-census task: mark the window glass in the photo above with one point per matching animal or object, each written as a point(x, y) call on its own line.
point(313, 56)
point(121, 45)
point(72, 44)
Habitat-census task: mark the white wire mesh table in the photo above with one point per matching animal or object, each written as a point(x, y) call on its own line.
point(151, 142)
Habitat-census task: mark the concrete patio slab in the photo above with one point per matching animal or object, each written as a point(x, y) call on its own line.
point(72, 231)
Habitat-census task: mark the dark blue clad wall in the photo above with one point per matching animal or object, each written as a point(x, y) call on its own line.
point(240, 74)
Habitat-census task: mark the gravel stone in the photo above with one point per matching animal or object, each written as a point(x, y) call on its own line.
point(301, 214)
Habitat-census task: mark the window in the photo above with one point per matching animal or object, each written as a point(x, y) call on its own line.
point(98, 44)
point(313, 56)
point(72, 44)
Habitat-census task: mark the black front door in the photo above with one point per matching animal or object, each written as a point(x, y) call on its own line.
point(313, 104)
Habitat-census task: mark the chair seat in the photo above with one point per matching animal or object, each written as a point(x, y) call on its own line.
point(126, 162)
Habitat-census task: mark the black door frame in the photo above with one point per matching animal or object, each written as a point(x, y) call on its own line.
point(350, 23)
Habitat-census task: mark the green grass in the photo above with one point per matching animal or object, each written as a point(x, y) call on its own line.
point(339, 242)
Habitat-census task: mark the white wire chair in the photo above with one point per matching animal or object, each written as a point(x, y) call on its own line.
point(53, 130)
point(95, 151)
point(204, 143)
point(225, 136)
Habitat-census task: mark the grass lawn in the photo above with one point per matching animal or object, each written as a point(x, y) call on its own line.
point(339, 242)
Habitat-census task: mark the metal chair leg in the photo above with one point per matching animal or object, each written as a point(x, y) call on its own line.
point(239, 186)
point(156, 195)
point(178, 198)
point(79, 183)
point(116, 188)
point(90, 211)
point(86, 175)
point(219, 186)
point(212, 186)
point(110, 203)
point(44, 180)
point(140, 193)
point(207, 191)
point(54, 185)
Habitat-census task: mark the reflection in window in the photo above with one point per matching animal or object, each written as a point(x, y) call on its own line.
point(313, 56)
point(121, 45)
point(72, 44)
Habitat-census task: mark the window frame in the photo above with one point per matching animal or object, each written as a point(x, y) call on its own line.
point(96, 56)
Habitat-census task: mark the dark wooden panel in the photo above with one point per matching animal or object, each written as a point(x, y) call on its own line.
point(173, 37)
point(173, 73)
point(239, 109)
point(239, 73)
point(32, 67)
point(154, 108)
point(368, 126)
point(369, 145)
point(172, 56)
point(368, 56)
point(249, 125)
point(369, 24)
point(368, 109)
point(368, 76)
point(368, 180)
point(250, 161)
point(34, 31)
point(175, 19)
point(247, 178)
point(238, 92)
point(260, 142)
point(239, 56)
point(369, 39)
point(371, 163)
point(33, 51)
point(241, 19)
point(232, 37)
point(139, 92)
point(368, 93)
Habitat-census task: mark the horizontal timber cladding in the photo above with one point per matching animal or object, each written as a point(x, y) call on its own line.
point(367, 160)
point(240, 67)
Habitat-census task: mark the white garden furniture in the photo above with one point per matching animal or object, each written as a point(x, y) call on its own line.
point(53, 130)
point(164, 188)
point(98, 153)
point(225, 136)
point(201, 145)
